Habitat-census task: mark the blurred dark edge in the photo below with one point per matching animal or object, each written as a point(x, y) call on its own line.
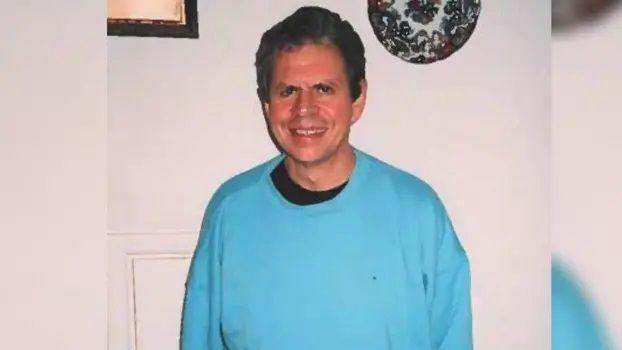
point(568, 15)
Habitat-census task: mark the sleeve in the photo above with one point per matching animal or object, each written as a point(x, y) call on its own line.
point(575, 324)
point(450, 299)
point(200, 324)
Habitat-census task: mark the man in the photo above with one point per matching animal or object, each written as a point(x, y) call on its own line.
point(323, 247)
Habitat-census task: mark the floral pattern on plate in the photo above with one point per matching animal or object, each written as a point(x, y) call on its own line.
point(423, 31)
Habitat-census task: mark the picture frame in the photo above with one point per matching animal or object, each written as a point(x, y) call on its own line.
point(161, 18)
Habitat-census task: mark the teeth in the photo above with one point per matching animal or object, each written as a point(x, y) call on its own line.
point(307, 132)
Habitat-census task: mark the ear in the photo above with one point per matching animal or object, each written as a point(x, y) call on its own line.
point(266, 109)
point(265, 106)
point(359, 104)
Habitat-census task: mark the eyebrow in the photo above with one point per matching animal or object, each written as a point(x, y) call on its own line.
point(328, 82)
point(282, 85)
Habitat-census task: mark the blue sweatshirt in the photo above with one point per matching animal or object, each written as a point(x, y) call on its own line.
point(377, 267)
point(574, 323)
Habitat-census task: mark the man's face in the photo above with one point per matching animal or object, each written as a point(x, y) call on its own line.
point(310, 110)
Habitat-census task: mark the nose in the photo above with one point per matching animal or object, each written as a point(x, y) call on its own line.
point(305, 104)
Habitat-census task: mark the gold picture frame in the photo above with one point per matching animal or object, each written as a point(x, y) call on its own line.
point(153, 18)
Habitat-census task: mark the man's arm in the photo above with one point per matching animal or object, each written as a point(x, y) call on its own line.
point(200, 326)
point(574, 322)
point(450, 302)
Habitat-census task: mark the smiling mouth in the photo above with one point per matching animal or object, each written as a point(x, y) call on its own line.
point(308, 132)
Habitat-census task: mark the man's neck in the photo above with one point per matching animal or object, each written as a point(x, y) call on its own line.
point(323, 175)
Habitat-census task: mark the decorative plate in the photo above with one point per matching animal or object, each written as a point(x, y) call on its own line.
point(423, 31)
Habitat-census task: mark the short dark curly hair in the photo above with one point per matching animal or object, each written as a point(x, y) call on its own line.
point(311, 24)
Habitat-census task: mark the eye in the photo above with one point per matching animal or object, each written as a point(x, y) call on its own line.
point(324, 89)
point(287, 91)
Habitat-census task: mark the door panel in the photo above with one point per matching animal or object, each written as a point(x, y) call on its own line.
point(146, 276)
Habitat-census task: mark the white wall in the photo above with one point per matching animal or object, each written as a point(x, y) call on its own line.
point(52, 175)
point(587, 162)
point(183, 117)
